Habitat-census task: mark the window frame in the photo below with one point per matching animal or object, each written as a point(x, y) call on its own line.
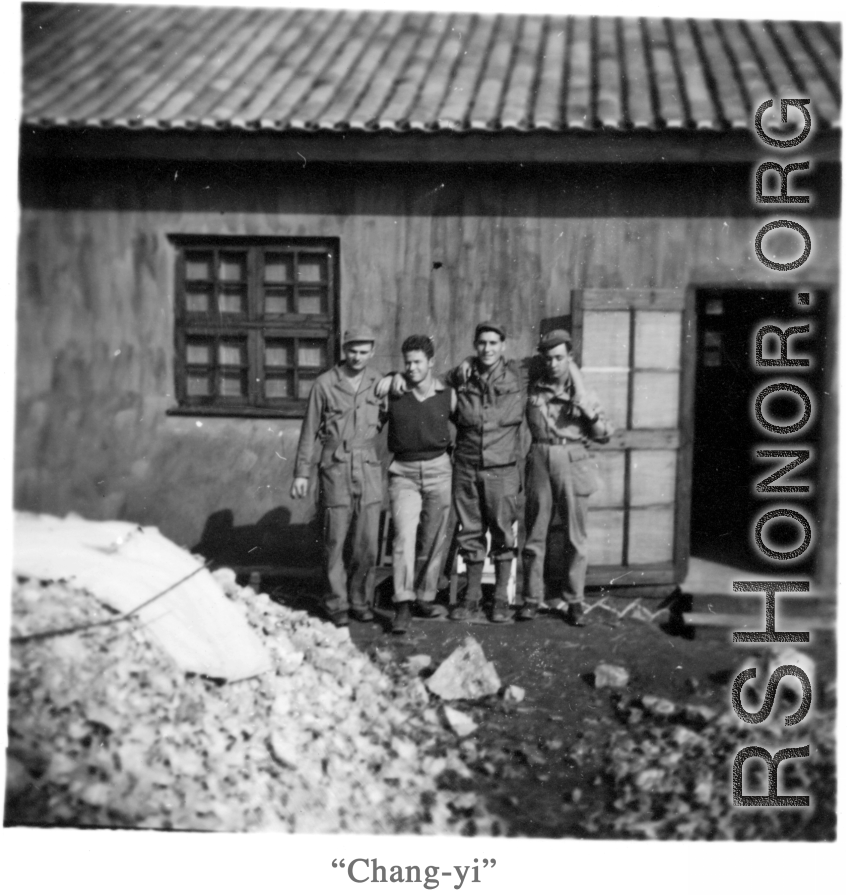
point(252, 326)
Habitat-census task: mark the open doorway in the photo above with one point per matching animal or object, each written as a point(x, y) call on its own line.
point(724, 504)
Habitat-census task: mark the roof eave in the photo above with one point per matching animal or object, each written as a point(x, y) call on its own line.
point(606, 145)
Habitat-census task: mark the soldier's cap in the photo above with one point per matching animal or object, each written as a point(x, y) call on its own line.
point(358, 334)
point(553, 338)
point(487, 325)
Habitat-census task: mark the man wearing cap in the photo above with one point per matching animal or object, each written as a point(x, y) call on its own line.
point(345, 415)
point(486, 479)
point(562, 420)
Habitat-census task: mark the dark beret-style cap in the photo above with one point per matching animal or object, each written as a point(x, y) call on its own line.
point(553, 338)
point(487, 325)
point(358, 334)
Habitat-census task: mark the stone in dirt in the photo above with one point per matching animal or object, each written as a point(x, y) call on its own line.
point(514, 693)
point(659, 707)
point(417, 664)
point(613, 676)
point(465, 674)
point(699, 714)
point(461, 724)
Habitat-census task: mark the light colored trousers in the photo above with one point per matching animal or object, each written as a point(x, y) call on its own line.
point(420, 506)
point(557, 477)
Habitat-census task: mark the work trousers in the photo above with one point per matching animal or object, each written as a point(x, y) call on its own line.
point(557, 477)
point(351, 491)
point(350, 579)
point(420, 505)
point(486, 499)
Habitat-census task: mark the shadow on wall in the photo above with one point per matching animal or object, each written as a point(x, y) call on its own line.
point(271, 542)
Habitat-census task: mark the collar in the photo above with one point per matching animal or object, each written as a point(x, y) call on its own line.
point(555, 388)
point(339, 379)
point(496, 370)
point(437, 386)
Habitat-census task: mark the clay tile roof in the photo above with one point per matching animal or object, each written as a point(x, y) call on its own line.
point(282, 69)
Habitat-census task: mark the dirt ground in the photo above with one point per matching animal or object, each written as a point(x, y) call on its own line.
point(537, 762)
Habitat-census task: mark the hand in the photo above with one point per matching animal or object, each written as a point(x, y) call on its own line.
point(587, 408)
point(398, 385)
point(300, 487)
point(383, 386)
point(465, 369)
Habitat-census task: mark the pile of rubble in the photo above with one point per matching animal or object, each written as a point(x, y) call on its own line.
point(667, 775)
point(105, 730)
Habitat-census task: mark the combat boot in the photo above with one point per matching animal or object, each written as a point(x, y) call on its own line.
point(402, 618)
point(577, 616)
point(501, 611)
point(527, 611)
point(468, 608)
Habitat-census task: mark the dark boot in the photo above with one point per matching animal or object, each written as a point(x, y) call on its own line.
point(362, 613)
point(402, 618)
point(501, 611)
point(528, 611)
point(468, 607)
point(577, 615)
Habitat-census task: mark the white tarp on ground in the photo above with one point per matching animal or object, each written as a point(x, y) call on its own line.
point(123, 564)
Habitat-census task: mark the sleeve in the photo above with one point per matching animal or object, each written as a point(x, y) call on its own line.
point(383, 403)
point(309, 432)
point(600, 428)
point(451, 378)
point(528, 370)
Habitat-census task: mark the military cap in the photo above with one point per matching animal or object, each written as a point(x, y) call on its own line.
point(489, 325)
point(358, 334)
point(553, 338)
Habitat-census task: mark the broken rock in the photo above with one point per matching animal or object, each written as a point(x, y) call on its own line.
point(461, 724)
point(513, 693)
point(465, 674)
point(613, 676)
point(419, 663)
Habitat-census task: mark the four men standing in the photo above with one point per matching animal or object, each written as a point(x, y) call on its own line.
point(486, 399)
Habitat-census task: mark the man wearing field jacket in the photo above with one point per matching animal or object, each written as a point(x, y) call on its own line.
point(345, 415)
point(560, 475)
point(486, 479)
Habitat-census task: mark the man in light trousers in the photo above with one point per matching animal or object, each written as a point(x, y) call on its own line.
point(560, 474)
point(419, 483)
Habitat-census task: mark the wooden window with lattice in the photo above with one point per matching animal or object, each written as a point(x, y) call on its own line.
point(255, 323)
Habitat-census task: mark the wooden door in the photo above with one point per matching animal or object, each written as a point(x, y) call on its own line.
point(634, 348)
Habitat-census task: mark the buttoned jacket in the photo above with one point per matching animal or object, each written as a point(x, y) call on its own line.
point(489, 412)
point(346, 422)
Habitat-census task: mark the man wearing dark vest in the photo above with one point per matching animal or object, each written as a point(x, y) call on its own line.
point(345, 414)
point(419, 482)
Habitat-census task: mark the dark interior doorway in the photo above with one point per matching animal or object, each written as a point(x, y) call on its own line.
point(724, 504)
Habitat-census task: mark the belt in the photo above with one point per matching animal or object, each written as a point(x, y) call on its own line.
point(555, 439)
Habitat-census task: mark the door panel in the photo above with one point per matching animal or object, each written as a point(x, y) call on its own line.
point(630, 347)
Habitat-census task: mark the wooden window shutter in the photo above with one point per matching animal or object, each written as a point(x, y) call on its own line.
point(631, 347)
